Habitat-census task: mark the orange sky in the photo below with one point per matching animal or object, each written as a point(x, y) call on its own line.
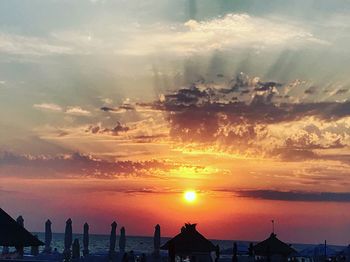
point(110, 110)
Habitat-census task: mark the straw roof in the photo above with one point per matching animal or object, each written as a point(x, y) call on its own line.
point(189, 241)
point(12, 234)
point(273, 246)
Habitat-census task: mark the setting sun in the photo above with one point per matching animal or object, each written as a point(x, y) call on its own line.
point(190, 196)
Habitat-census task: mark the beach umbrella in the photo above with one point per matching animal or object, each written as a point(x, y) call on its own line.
point(122, 240)
point(68, 234)
point(188, 241)
point(76, 249)
point(48, 236)
point(112, 238)
point(68, 238)
point(86, 240)
point(273, 246)
point(156, 240)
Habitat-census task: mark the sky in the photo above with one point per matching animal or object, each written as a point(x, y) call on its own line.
point(112, 109)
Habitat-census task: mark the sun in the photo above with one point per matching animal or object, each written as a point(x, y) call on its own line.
point(190, 196)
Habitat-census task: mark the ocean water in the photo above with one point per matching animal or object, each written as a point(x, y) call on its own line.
point(99, 244)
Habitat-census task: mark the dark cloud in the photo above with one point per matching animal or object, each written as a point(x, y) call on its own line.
point(115, 131)
point(77, 165)
point(295, 195)
point(292, 154)
point(311, 141)
point(341, 91)
point(149, 138)
point(124, 107)
point(310, 91)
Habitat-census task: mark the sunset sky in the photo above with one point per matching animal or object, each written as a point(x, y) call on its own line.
point(112, 109)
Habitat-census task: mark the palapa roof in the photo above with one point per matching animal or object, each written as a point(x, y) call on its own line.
point(189, 241)
point(13, 234)
point(273, 246)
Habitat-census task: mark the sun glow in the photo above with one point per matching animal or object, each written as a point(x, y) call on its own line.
point(190, 196)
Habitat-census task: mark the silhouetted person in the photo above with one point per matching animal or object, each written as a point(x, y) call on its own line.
point(171, 251)
point(251, 250)
point(217, 253)
point(34, 250)
point(76, 249)
point(125, 258)
point(20, 249)
point(143, 257)
point(131, 256)
point(234, 253)
point(268, 258)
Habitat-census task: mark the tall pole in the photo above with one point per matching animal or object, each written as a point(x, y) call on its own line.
point(273, 226)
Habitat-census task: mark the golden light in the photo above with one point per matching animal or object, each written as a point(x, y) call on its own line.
point(190, 196)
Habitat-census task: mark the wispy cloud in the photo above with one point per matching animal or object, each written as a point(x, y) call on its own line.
point(29, 45)
point(192, 37)
point(48, 106)
point(77, 110)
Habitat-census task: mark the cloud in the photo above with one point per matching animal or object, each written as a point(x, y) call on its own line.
point(115, 131)
point(77, 110)
point(295, 195)
point(78, 165)
point(48, 106)
point(28, 45)
point(232, 31)
point(120, 109)
point(249, 115)
point(70, 110)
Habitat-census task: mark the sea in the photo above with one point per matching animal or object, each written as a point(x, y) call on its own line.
point(99, 244)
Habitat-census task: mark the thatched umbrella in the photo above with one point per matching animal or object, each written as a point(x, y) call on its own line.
point(156, 240)
point(273, 246)
point(48, 237)
point(122, 240)
point(112, 238)
point(13, 234)
point(189, 241)
point(86, 240)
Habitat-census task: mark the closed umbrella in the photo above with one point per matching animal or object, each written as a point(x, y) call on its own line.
point(86, 240)
point(156, 240)
point(68, 238)
point(122, 240)
point(48, 237)
point(112, 238)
